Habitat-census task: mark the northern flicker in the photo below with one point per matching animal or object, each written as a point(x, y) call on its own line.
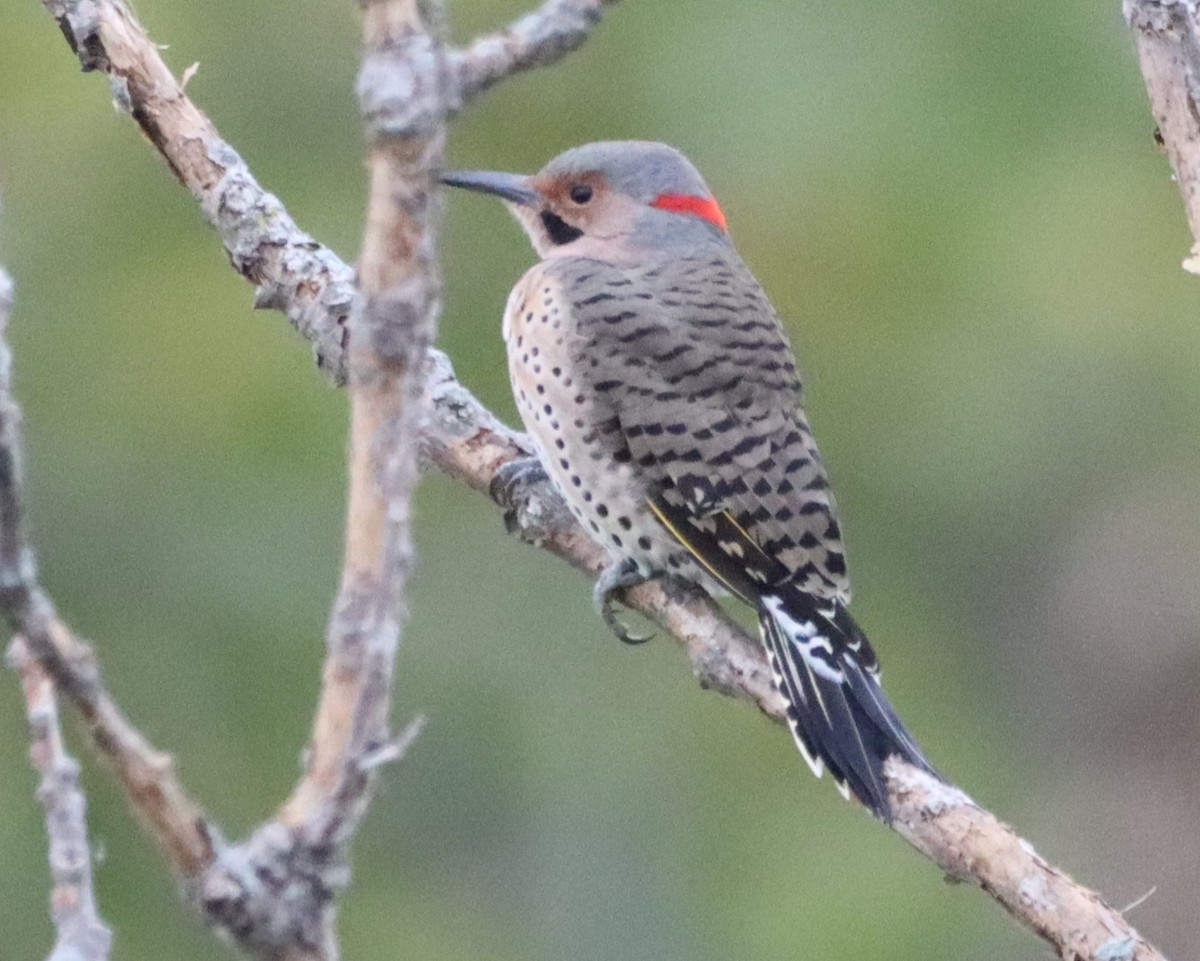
point(660, 392)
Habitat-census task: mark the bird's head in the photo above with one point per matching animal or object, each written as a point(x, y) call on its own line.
point(611, 200)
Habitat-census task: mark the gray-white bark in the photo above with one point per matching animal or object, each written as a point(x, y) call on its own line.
point(81, 934)
point(1167, 37)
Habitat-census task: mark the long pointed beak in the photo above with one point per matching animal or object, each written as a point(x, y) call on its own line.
point(511, 187)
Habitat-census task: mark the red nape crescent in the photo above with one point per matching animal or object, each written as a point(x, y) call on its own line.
point(706, 207)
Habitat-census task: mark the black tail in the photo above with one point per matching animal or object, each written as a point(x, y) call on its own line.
point(841, 719)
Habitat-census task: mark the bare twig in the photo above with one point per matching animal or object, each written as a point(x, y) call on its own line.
point(391, 329)
point(535, 40)
point(391, 326)
point(17, 568)
point(274, 893)
point(465, 440)
point(82, 935)
point(1167, 35)
point(176, 821)
point(971, 844)
point(289, 270)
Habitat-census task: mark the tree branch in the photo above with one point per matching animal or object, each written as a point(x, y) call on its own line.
point(1167, 37)
point(82, 935)
point(289, 270)
point(466, 441)
point(463, 439)
point(392, 325)
point(971, 844)
point(175, 820)
point(535, 40)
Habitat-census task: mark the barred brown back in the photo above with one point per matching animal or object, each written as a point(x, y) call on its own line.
point(686, 386)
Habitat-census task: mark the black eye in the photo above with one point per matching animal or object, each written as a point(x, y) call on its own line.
point(581, 193)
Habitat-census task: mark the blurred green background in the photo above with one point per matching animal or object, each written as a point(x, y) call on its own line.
point(961, 214)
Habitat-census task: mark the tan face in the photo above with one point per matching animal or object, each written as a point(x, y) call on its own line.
point(575, 213)
point(614, 201)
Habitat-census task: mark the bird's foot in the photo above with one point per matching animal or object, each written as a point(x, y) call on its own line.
point(616, 577)
point(530, 504)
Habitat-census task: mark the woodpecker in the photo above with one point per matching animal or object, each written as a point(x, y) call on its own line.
point(660, 392)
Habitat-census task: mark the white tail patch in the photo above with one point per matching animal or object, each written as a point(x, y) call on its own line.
point(838, 715)
point(815, 764)
point(808, 639)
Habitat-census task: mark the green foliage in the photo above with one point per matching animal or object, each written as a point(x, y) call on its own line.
point(960, 213)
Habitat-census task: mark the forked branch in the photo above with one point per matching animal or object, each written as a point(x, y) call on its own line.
point(275, 892)
point(82, 935)
point(176, 822)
